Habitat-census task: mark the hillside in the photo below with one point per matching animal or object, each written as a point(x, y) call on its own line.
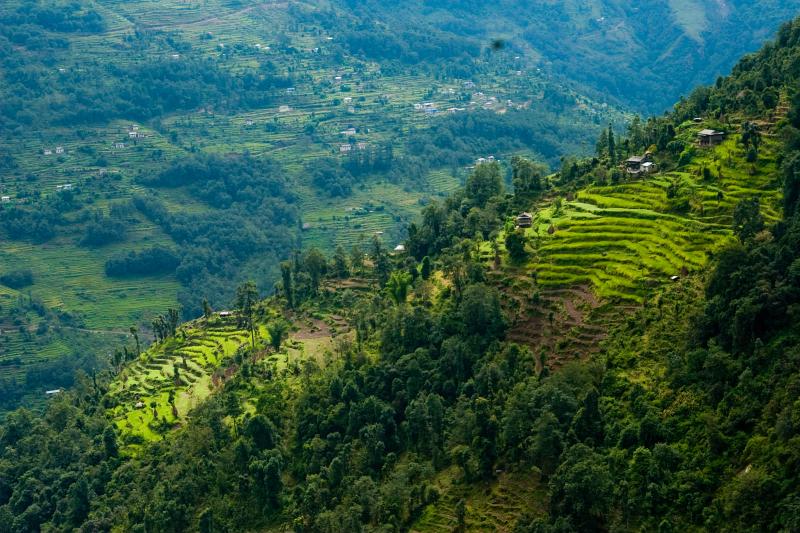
point(627, 363)
point(216, 137)
point(140, 139)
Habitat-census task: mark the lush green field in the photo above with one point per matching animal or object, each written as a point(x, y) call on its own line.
point(623, 239)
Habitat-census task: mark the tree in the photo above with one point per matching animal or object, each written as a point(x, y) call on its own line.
point(356, 259)
point(380, 261)
point(398, 286)
point(206, 522)
point(277, 330)
point(612, 147)
point(791, 185)
point(78, 501)
point(581, 489)
point(288, 289)
point(110, 442)
point(207, 311)
point(340, 268)
point(526, 176)
point(747, 219)
point(547, 442)
point(316, 265)
point(135, 332)
point(426, 268)
point(515, 244)
point(483, 183)
point(246, 299)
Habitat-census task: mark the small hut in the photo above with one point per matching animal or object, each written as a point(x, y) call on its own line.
point(524, 220)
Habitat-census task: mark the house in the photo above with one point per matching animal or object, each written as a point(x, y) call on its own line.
point(418, 107)
point(710, 137)
point(524, 220)
point(59, 149)
point(284, 109)
point(351, 110)
point(306, 226)
point(139, 405)
point(697, 120)
point(5, 199)
point(225, 314)
point(400, 248)
point(361, 145)
point(349, 132)
point(119, 146)
point(47, 151)
point(176, 56)
point(65, 187)
point(52, 392)
point(633, 165)
point(249, 122)
point(348, 99)
point(344, 148)
point(135, 135)
point(290, 90)
point(648, 167)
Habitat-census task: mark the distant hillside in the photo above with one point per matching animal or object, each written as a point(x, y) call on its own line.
point(642, 55)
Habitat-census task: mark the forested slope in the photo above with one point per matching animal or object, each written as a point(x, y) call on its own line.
point(389, 393)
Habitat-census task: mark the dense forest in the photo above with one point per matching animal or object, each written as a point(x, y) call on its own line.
point(687, 418)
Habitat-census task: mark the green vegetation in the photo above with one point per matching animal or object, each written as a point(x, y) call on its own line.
point(133, 132)
point(628, 363)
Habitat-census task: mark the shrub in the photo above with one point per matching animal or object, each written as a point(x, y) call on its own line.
point(17, 279)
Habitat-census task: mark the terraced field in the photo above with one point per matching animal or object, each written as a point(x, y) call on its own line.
point(600, 254)
point(184, 369)
point(494, 506)
point(158, 391)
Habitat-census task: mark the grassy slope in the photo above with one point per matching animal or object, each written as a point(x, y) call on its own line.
point(204, 353)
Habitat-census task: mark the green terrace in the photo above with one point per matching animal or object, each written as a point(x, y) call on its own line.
point(622, 239)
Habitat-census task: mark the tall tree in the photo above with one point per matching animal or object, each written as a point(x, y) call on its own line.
point(246, 299)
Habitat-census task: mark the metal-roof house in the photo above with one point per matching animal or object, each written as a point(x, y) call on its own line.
point(709, 137)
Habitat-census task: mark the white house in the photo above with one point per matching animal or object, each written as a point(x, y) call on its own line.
point(48, 151)
point(119, 146)
point(5, 199)
point(59, 149)
point(344, 148)
point(284, 109)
